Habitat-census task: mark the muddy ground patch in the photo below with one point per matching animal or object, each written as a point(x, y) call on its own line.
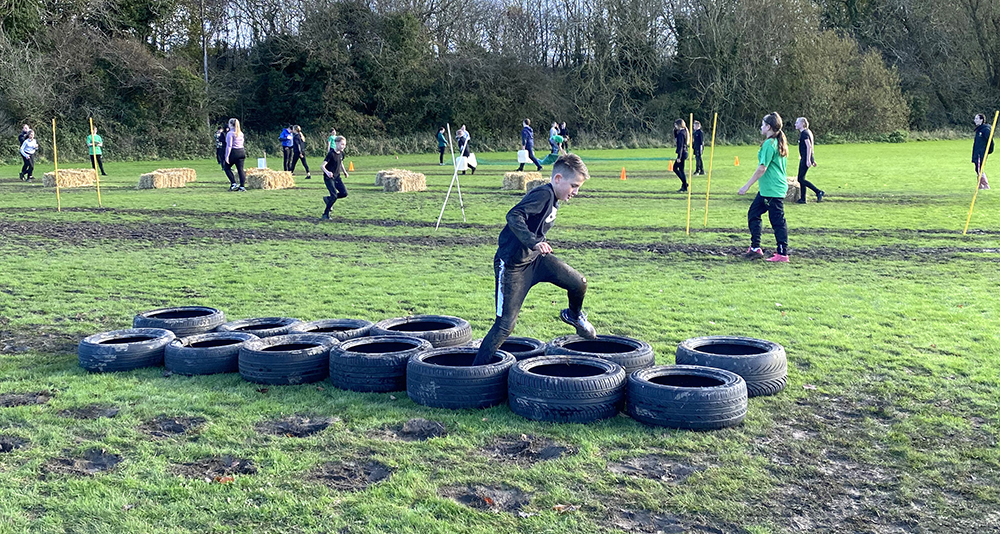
point(10, 400)
point(166, 426)
point(92, 411)
point(351, 475)
point(488, 498)
point(654, 467)
point(11, 443)
point(296, 426)
point(215, 468)
point(90, 462)
point(416, 429)
point(526, 449)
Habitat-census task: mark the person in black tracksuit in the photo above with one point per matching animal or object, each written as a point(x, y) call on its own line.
point(807, 158)
point(698, 145)
point(332, 167)
point(979, 149)
point(299, 150)
point(524, 258)
point(681, 140)
point(220, 145)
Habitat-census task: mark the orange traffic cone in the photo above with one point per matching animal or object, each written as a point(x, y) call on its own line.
point(670, 165)
point(350, 166)
point(623, 173)
point(737, 162)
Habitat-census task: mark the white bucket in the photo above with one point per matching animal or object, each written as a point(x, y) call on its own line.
point(261, 163)
point(522, 156)
point(461, 164)
point(472, 160)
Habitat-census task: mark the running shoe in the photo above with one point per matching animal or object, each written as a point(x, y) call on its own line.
point(232, 187)
point(243, 189)
point(753, 253)
point(783, 258)
point(802, 201)
point(583, 327)
point(820, 195)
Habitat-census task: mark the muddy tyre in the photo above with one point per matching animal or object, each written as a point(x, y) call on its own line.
point(339, 329)
point(182, 320)
point(446, 378)
point(124, 350)
point(374, 364)
point(687, 396)
point(206, 354)
point(288, 359)
point(262, 326)
point(440, 330)
point(629, 353)
point(566, 389)
point(762, 364)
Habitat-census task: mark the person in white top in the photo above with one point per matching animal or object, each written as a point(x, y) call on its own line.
point(28, 149)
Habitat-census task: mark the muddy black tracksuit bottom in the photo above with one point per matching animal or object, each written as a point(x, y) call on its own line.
point(337, 190)
point(237, 156)
point(512, 285)
point(679, 171)
point(775, 209)
point(803, 183)
point(28, 168)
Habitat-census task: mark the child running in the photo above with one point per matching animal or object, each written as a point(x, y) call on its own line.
point(333, 165)
point(299, 152)
point(28, 148)
point(806, 159)
point(524, 258)
point(772, 157)
point(528, 144)
point(681, 139)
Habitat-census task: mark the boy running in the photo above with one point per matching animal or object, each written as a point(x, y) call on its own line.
point(524, 258)
point(332, 167)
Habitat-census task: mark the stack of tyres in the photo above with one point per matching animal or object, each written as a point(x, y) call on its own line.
point(761, 363)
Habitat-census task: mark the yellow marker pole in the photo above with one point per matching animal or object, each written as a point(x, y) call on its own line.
point(93, 159)
point(982, 169)
point(711, 156)
point(55, 159)
point(691, 181)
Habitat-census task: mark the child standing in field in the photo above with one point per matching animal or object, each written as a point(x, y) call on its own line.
point(979, 149)
point(442, 144)
point(287, 139)
point(771, 159)
point(220, 145)
point(806, 159)
point(698, 145)
point(299, 145)
point(528, 144)
point(95, 145)
point(28, 148)
point(524, 258)
point(333, 165)
point(235, 155)
point(681, 140)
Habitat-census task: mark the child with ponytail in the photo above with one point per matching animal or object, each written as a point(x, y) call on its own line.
point(771, 158)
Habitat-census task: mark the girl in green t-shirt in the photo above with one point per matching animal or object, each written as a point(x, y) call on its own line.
point(771, 159)
point(331, 141)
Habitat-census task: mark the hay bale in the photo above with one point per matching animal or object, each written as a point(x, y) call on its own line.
point(518, 181)
point(380, 176)
point(268, 179)
point(404, 182)
point(165, 178)
point(70, 178)
point(535, 183)
point(794, 189)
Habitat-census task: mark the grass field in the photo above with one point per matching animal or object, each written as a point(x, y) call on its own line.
point(888, 314)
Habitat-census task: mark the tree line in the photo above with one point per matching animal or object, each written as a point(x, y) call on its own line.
point(157, 75)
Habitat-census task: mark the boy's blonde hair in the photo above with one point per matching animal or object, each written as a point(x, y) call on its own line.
point(570, 163)
point(339, 138)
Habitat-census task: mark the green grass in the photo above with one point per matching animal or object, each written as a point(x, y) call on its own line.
point(887, 312)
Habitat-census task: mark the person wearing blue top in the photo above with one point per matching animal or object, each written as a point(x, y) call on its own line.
point(442, 144)
point(27, 150)
point(287, 139)
point(528, 143)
